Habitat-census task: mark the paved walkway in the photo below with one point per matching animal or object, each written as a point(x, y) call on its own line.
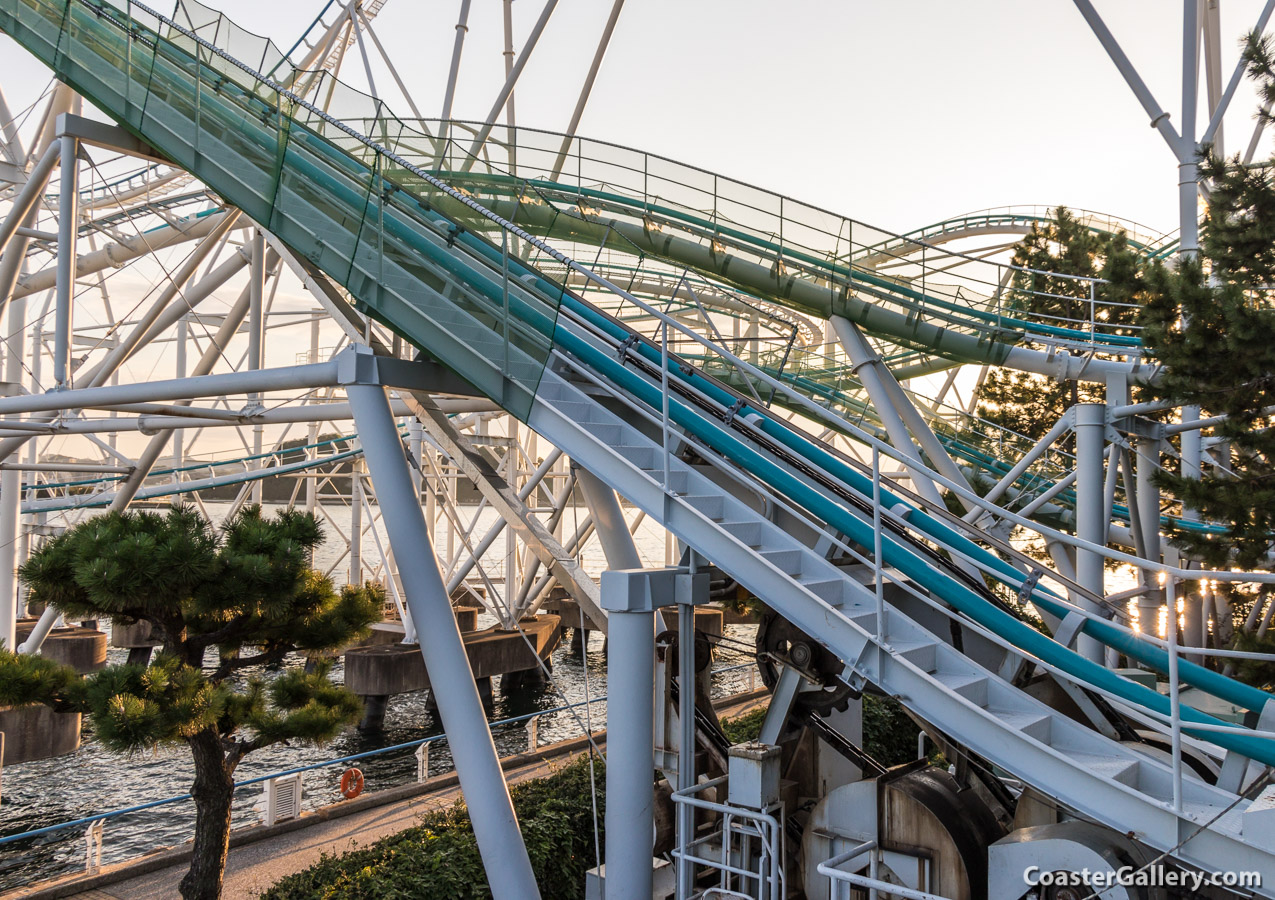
point(259, 856)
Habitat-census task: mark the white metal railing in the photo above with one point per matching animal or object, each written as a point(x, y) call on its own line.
point(748, 845)
point(841, 882)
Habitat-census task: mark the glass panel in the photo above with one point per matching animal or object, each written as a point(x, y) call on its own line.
point(375, 226)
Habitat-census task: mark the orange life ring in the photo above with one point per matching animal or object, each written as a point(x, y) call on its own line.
point(351, 783)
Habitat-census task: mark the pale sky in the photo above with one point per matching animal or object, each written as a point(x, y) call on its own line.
point(898, 114)
point(895, 113)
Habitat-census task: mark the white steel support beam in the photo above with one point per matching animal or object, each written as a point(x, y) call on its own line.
point(68, 234)
point(159, 441)
point(29, 197)
point(281, 415)
point(181, 370)
point(1159, 117)
point(289, 378)
point(11, 485)
point(608, 519)
point(124, 251)
point(99, 374)
point(146, 327)
point(367, 62)
point(1023, 464)
point(389, 64)
point(458, 577)
point(578, 112)
point(256, 339)
point(1090, 428)
point(511, 116)
point(165, 319)
point(477, 763)
point(462, 28)
point(474, 466)
point(9, 128)
point(631, 598)
point(1188, 167)
point(507, 90)
point(867, 366)
point(356, 522)
point(1146, 453)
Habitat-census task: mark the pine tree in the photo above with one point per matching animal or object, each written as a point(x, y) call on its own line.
point(1052, 261)
point(221, 602)
point(1211, 325)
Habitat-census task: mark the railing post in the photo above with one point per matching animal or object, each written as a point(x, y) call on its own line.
point(664, 401)
point(1175, 707)
point(878, 575)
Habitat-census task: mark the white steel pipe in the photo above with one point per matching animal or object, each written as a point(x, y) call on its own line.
point(864, 360)
point(176, 284)
point(1090, 425)
point(462, 28)
point(145, 462)
point(608, 518)
point(68, 233)
point(30, 194)
point(477, 763)
point(284, 379)
point(1024, 463)
point(458, 577)
point(11, 487)
point(1215, 122)
point(587, 88)
point(123, 251)
point(503, 97)
point(35, 640)
point(1159, 118)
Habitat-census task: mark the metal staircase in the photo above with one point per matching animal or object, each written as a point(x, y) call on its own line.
point(1097, 777)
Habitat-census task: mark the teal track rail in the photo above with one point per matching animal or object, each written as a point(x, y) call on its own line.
point(377, 228)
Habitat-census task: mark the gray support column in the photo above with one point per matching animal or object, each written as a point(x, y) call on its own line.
point(312, 431)
point(179, 436)
point(146, 461)
point(630, 598)
point(256, 340)
point(477, 763)
point(608, 518)
point(356, 524)
point(68, 231)
point(462, 27)
point(865, 363)
point(1091, 423)
point(11, 487)
point(1147, 457)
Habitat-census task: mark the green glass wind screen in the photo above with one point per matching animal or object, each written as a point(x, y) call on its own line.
point(338, 199)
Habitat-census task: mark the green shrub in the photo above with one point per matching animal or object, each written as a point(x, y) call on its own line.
point(744, 728)
point(889, 734)
point(439, 859)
